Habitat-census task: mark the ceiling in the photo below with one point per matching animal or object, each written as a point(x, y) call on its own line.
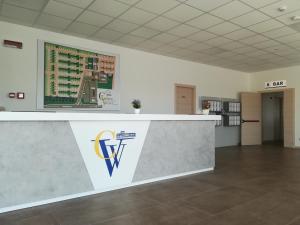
point(244, 35)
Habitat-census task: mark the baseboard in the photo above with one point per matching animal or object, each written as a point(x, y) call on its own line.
point(68, 197)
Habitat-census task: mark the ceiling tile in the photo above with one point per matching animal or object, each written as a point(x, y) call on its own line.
point(279, 32)
point(137, 16)
point(183, 43)
point(255, 53)
point(289, 38)
point(201, 36)
point(62, 10)
point(250, 19)
point(130, 40)
point(259, 3)
point(198, 46)
point(108, 35)
point(213, 51)
point(244, 50)
point(223, 28)
point(157, 6)
point(205, 21)
point(182, 13)
point(78, 3)
point(128, 2)
point(287, 18)
point(161, 24)
point(272, 10)
point(266, 44)
point(108, 7)
point(145, 32)
point(254, 39)
point(29, 4)
point(53, 21)
point(232, 45)
point(207, 5)
point(121, 26)
point(227, 54)
point(82, 28)
point(25, 16)
point(93, 18)
point(218, 41)
point(182, 52)
point(239, 34)
point(165, 38)
point(149, 45)
point(183, 30)
point(265, 26)
point(231, 10)
point(167, 49)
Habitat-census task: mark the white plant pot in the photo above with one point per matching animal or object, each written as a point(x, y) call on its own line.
point(137, 111)
point(205, 111)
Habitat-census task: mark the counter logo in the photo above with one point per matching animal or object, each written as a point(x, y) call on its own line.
point(109, 145)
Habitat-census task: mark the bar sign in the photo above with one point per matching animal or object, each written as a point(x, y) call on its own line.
point(275, 84)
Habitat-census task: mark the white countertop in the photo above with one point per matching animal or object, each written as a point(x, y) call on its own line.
point(52, 116)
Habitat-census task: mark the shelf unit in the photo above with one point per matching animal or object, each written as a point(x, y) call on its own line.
point(228, 108)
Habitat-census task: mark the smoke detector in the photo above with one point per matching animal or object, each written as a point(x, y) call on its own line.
point(282, 8)
point(294, 18)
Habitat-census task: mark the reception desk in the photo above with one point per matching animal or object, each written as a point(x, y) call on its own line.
point(49, 157)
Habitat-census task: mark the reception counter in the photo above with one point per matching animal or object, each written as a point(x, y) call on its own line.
point(49, 157)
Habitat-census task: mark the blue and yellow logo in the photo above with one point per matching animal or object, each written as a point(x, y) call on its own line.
point(109, 146)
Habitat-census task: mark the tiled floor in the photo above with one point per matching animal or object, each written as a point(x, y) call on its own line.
point(250, 186)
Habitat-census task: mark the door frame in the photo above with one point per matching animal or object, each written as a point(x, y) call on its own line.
point(194, 95)
point(287, 143)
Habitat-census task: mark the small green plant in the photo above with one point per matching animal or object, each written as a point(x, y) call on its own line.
point(136, 104)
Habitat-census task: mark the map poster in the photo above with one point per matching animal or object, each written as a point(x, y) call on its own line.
point(77, 78)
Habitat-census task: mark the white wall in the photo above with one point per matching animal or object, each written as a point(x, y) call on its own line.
point(291, 74)
point(146, 76)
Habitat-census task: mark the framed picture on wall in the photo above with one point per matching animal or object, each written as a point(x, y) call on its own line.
point(76, 78)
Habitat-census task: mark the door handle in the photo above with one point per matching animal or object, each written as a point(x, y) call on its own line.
point(250, 121)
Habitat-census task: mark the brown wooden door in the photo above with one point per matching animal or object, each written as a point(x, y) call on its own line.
point(289, 117)
point(251, 113)
point(184, 99)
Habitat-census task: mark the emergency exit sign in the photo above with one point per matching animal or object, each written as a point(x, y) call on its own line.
point(275, 84)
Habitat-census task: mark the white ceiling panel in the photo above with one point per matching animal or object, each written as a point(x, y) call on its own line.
point(62, 10)
point(254, 39)
point(279, 32)
point(121, 26)
point(288, 18)
point(28, 4)
point(183, 43)
point(95, 19)
point(109, 7)
point(226, 12)
point(82, 28)
point(161, 24)
point(157, 6)
point(131, 40)
point(145, 32)
point(265, 26)
point(128, 2)
point(137, 16)
point(77, 3)
point(205, 21)
point(165, 38)
point(239, 34)
point(259, 3)
point(223, 28)
point(182, 13)
point(183, 30)
point(250, 19)
point(207, 5)
point(218, 41)
point(108, 35)
point(53, 21)
point(201, 36)
point(25, 16)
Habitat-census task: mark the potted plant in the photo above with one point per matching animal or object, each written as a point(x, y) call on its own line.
point(206, 107)
point(136, 104)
